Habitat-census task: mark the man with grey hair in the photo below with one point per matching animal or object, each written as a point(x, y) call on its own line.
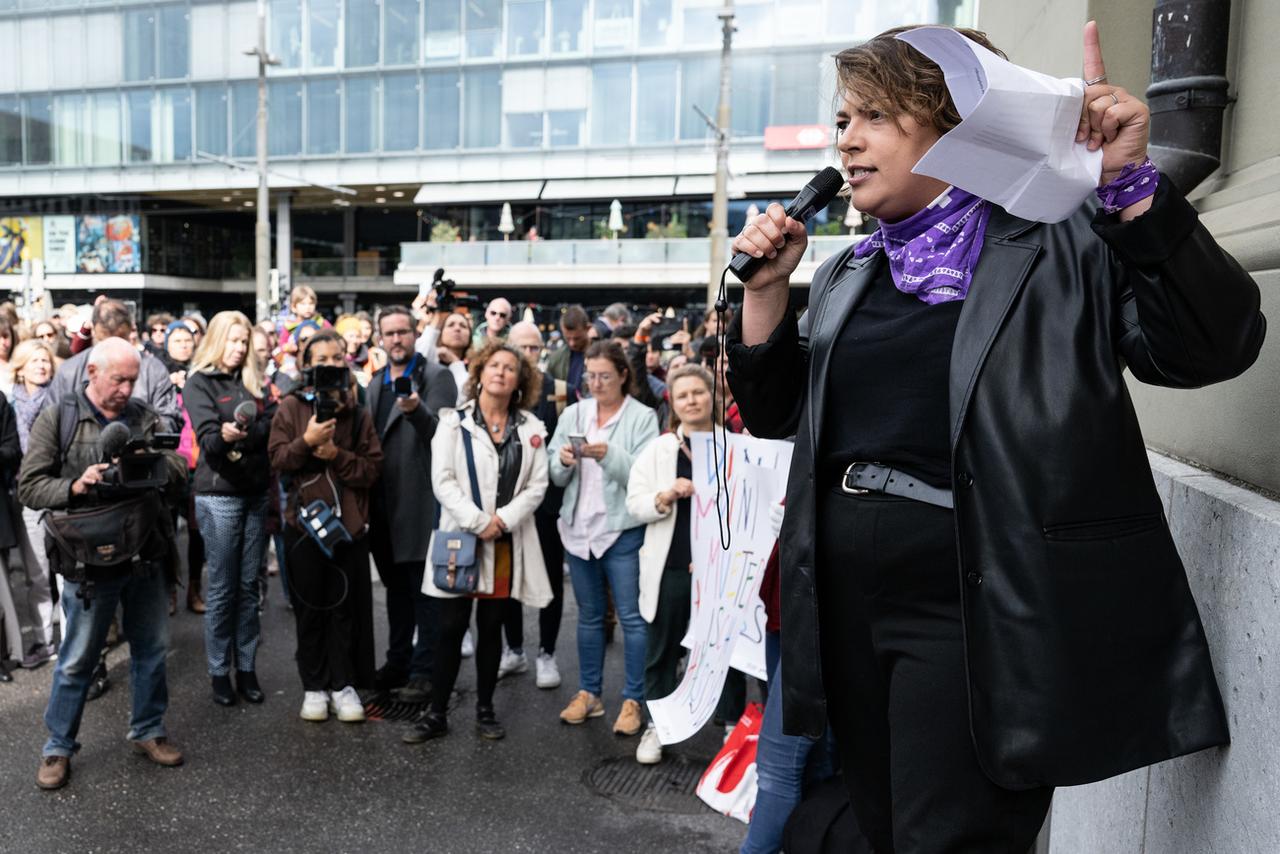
point(64, 471)
point(613, 318)
point(497, 318)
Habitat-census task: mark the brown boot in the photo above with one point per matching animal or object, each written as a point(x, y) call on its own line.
point(629, 721)
point(54, 771)
point(159, 751)
point(194, 603)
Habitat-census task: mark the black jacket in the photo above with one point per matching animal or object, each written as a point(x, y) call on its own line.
point(1085, 653)
point(211, 399)
point(403, 494)
point(10, 460)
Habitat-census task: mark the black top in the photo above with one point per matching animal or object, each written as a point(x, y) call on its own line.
point(510, 456)
point(681, 553)
point(382, 414)
point(889, 384)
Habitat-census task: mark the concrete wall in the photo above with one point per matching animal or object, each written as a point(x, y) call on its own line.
point(1219, 801)
point(1230, 428)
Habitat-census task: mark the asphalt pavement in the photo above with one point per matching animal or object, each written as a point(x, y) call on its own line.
point(258, 778)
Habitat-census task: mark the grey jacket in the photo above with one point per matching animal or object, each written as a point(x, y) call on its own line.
point(153, 387)
point(403, 497)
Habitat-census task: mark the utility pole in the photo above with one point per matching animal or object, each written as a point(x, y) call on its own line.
point(720, 202)
point(262, 230)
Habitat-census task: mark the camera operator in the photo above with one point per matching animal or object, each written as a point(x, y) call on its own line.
point(326, 443)
point(404, 398)
point(64, 470)
point(445, 340)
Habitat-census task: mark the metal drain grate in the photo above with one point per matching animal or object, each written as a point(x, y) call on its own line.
point(666, 787)
point(384, 706)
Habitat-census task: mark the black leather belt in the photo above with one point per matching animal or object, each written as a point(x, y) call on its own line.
point(861, 478)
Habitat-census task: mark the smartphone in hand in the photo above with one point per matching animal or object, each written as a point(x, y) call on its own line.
point(403, 386)
point(577, 440)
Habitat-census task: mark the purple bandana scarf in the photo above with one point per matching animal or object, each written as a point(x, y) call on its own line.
point(932, 253)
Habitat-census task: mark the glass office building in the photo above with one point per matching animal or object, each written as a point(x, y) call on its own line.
point(556, 106)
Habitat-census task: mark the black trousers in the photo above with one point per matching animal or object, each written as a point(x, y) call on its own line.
point(670, 622)
point(454, 617)
point(408, 608)
point(335, 645)
point(548, 617)
point(894, 672)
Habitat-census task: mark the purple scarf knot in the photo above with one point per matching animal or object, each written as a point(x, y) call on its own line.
point(932, 253)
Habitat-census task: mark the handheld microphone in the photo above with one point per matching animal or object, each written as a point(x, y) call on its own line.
point(112, 441)
point(245, 413)
point(815, 196)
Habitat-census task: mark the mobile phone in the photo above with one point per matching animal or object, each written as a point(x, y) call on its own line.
point(326, 409)
point(403, 386)
point(577, 440)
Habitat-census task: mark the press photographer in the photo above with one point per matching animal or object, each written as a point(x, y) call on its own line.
point(93, 460)
point(325, 443)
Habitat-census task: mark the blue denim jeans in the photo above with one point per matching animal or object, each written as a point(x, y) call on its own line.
point(781, 763)
point(619, 567)
point(145, 600)
point(235, 545)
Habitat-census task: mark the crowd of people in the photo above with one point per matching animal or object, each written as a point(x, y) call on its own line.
point(393, 435)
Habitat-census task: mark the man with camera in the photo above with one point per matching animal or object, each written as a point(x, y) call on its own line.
point(92, 460)
point(404, 398)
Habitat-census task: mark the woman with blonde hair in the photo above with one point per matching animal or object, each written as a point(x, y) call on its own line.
point(231, 488)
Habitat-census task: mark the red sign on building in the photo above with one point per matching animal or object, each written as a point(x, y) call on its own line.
point(796, 137)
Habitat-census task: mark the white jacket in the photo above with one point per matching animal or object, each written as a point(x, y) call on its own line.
point(653, 471)
point(458, 512)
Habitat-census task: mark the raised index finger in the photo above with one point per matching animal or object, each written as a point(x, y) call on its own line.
point(1093, 67)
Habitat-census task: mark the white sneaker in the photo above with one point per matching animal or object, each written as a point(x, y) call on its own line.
point(346, 705)
point(548, 672)
point(649, 751)
point(512, 663)
point(315, 706)
point(468, 645)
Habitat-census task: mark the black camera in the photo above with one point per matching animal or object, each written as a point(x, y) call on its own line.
point(140, 465)
point(446, 299)
point(324, 380)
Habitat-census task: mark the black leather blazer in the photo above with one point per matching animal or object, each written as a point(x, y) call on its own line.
point(1085, 652)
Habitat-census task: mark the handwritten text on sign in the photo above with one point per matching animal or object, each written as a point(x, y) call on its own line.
point(727, 613)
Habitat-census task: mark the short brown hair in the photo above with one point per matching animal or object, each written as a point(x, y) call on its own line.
point(891, 76)
point(575, 317)
point(527, 392)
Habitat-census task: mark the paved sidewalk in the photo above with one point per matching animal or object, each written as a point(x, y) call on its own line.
point(258, 778)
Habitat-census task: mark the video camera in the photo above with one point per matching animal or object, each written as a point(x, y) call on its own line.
point(135, 463)
point(323, 379)
point(446, 299)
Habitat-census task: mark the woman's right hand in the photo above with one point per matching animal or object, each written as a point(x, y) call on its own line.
point(445, 356)
point(496, 528)
point(567, 459)
point(231, 432)
point(778, 238)
point(318, 433)
point(682, 488)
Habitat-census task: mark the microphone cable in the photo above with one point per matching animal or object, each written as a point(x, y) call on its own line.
point(723, 523)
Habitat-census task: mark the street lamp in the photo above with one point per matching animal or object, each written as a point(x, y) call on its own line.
point(615, 218)
point(505, 223)
point(262, 230)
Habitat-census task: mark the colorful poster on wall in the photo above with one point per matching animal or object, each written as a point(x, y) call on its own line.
point(93, 254)
point(123, 239)
point(20, 240)
point(59, 244)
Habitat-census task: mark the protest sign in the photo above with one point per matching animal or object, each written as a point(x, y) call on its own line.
point(727, 621)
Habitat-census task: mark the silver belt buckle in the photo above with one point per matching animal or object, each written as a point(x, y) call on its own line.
point(844, 481)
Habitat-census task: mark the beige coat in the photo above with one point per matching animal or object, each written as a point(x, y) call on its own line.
point(653, 471)
point(458, 512)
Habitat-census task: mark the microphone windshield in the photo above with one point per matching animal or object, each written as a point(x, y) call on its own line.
point(246, 412)
point(825, 185)
point(112, 440)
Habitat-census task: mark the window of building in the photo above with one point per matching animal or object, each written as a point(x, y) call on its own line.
point(656, 24)
point(37, 130)
point(749, 104)
point(568, 25)
point(444, 28)
point(567, 93)
point(139, 44)
point(285, 44)
point(611, 104)
point(138, 123)
point(440, 112)
point(322, 26)
point(361, 33)
point(362, 114)
point(702, 25)
point(10, 130)
point(324, 117)
point(483, 27)
point(88, 131)
point(171, 125)
point(842, 16)
point(523, 94)
point(284, 118)
point(244, 119)
point(482, 99)
point(795, 90)
point(174, 49)
point(525, 27)
point(700, 87)
point(564, 127)
point(524, 130)
point(400, 42)
point(655, 104)
point(753, 23)
point(400, 112)
point(211, 119)
point(157, 42)
point(612, 25)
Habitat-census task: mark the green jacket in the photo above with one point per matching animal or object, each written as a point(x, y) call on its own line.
point(632, 431)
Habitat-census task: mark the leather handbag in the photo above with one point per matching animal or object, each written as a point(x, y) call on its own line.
point(455, 560)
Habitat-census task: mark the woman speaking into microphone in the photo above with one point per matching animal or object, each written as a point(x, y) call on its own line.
point(980, 591)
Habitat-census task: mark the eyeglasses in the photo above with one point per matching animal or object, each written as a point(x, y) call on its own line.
point(501, 314)
point(160, 329)
point(396, 333)
point(531, 348)
point(599, 378)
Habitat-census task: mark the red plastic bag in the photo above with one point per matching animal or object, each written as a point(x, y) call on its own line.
point(729, 783)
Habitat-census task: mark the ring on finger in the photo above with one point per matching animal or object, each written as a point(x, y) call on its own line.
point(1114, 98)
point(1095, 81)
